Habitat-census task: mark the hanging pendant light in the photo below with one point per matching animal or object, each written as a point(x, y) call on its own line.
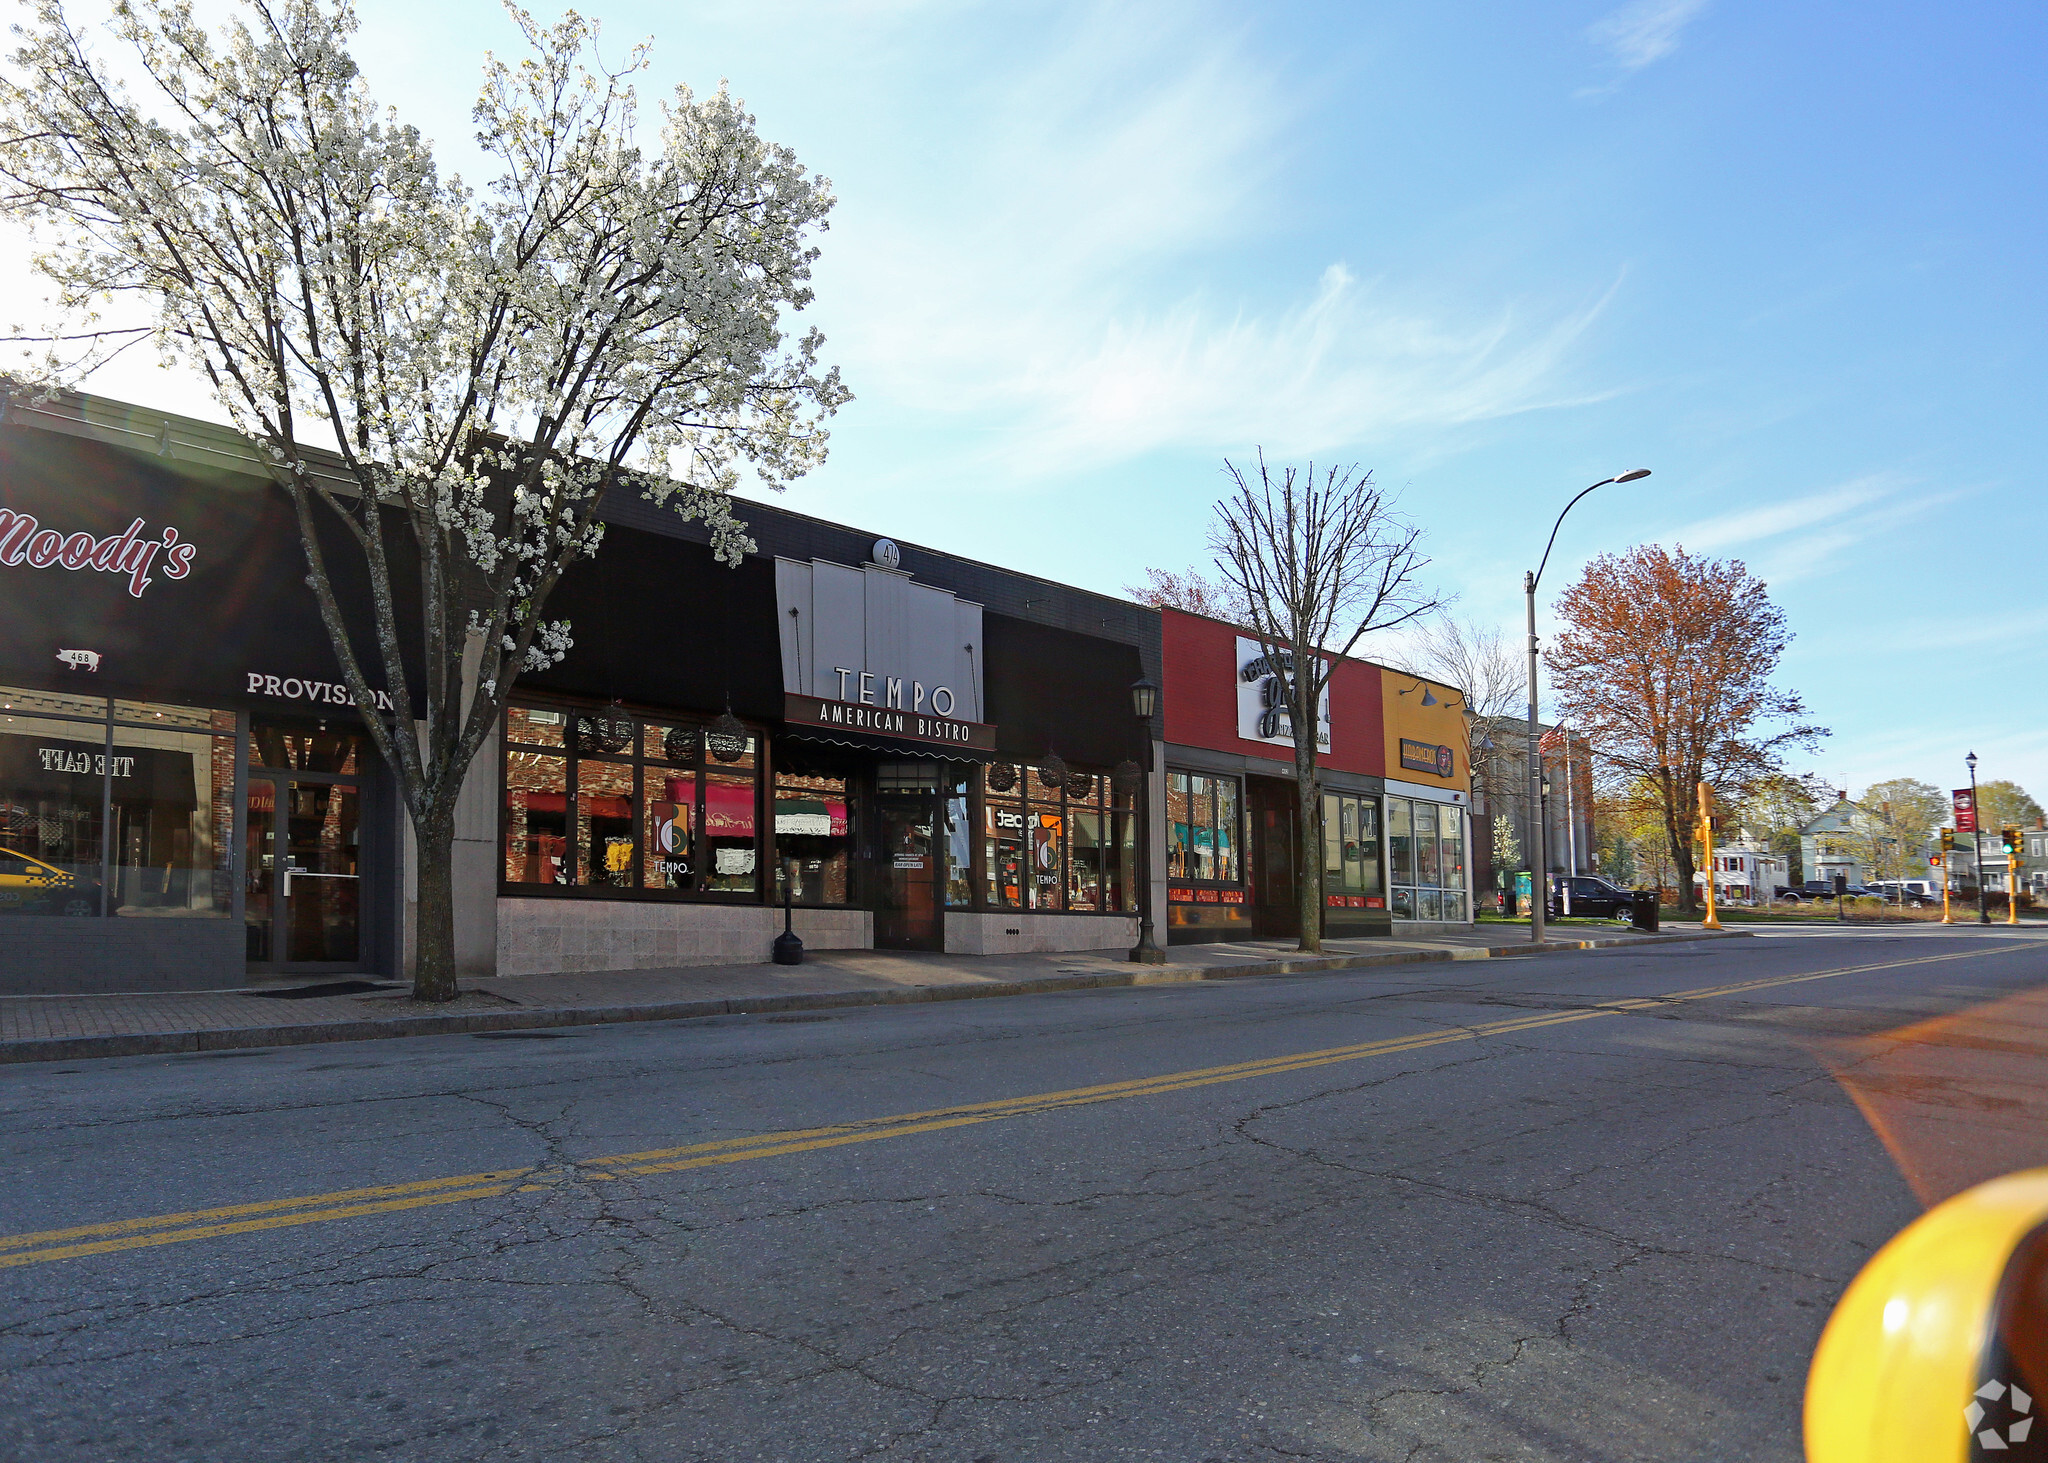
point(726, 739)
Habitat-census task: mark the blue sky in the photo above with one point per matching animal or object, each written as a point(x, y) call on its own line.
point(1789, 257)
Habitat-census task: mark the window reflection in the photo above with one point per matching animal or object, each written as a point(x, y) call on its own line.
point(1055, 843)
point(1203, 825)
point(1427, 848)
point(612, 801)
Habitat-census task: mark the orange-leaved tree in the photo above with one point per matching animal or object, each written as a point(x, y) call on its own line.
point(1664, 660)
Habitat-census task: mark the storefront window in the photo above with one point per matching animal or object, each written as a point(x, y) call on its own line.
point(959, 841)
point(668, 849)
point(813, 832)
point(1046, 824)
point(1053, 843)
point(1351, 852)
point(173, 809)
point(309, 748)
point(1121, 890)
point(1400, 843)
point(729, 831)
point(536, 818)
point(1427, 844)
point(1003, 836)
point(52, 782)
point(1087, 850)
point(1202, 841)
point(1452, 869)
point(614, 802)
point(604, 823)
point(165, 790)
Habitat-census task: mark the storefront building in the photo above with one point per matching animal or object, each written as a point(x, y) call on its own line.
point(1394, 785)
point(920, 751)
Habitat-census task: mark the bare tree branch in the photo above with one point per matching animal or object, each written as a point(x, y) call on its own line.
point(1319, 561)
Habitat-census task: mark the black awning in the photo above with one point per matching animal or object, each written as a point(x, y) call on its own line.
point(1056, 690)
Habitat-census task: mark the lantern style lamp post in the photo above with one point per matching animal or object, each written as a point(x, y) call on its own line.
point(1538, 858)
point(1144, 705)
point(1977, 839)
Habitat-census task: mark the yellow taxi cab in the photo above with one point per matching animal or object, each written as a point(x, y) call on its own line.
point(30, 886)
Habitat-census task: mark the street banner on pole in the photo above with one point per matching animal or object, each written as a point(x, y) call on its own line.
point(1965, 803)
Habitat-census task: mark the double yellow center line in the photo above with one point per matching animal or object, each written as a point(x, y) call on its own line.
point(199, 1224)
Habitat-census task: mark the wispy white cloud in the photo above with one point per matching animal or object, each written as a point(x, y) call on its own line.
point(1054, 299)
point(1752, 525)
point(1647, 31)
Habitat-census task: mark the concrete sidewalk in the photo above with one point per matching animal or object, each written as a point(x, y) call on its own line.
point(296, 1012)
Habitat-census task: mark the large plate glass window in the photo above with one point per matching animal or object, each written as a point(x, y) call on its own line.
point(1046, 825)
point(1427, 854)
point(607, 801)
point(1352, 877)
point(1202, 830)
point(814, 829)
point(115, 807)
point(959, 819)
point(1052, 843)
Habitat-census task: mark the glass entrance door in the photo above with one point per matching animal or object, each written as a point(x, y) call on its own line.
point(908, 909)
point(304, 862)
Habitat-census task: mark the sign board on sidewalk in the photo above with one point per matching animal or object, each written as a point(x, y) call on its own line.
point(1965, 804)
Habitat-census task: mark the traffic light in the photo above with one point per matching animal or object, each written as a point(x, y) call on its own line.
point(1948, 840)
point(2010, 836)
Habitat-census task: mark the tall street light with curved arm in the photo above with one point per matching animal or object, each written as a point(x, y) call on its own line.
point(1539, 885)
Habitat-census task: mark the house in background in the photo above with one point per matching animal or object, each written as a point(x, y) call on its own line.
point(1826, 844)
point(1746, 874)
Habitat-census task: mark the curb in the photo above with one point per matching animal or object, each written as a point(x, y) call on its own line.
point(240, 1038)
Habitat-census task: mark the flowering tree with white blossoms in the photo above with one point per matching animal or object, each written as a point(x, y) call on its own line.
point(488, 366)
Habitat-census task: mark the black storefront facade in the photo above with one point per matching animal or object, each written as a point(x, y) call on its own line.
point(922, 751)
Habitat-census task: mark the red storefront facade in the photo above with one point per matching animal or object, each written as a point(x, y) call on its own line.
point(1231, 807)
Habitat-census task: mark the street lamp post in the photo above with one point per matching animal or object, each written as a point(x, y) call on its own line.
point(1145, 702)
point(1538, 861)
point(1977, 840)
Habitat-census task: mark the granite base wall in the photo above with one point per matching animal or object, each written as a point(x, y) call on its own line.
point(553, 936)
point(50, 955)
point(1026, 934)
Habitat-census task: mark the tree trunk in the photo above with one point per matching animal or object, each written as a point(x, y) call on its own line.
point(1681, 857)
point(433, 971)
point(1308, 832)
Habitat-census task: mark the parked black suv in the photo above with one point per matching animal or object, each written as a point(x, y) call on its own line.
point(1590, 896)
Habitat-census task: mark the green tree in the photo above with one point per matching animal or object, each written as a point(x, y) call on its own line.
point(2002, 802)
point(1774, 811)
point(1894, 820)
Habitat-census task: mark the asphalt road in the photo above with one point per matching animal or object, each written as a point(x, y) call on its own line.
point(1571, 1207)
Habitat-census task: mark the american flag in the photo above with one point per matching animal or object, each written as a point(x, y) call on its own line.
point(1552, 741)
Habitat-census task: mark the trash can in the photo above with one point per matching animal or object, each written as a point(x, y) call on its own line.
point(1643, 911)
